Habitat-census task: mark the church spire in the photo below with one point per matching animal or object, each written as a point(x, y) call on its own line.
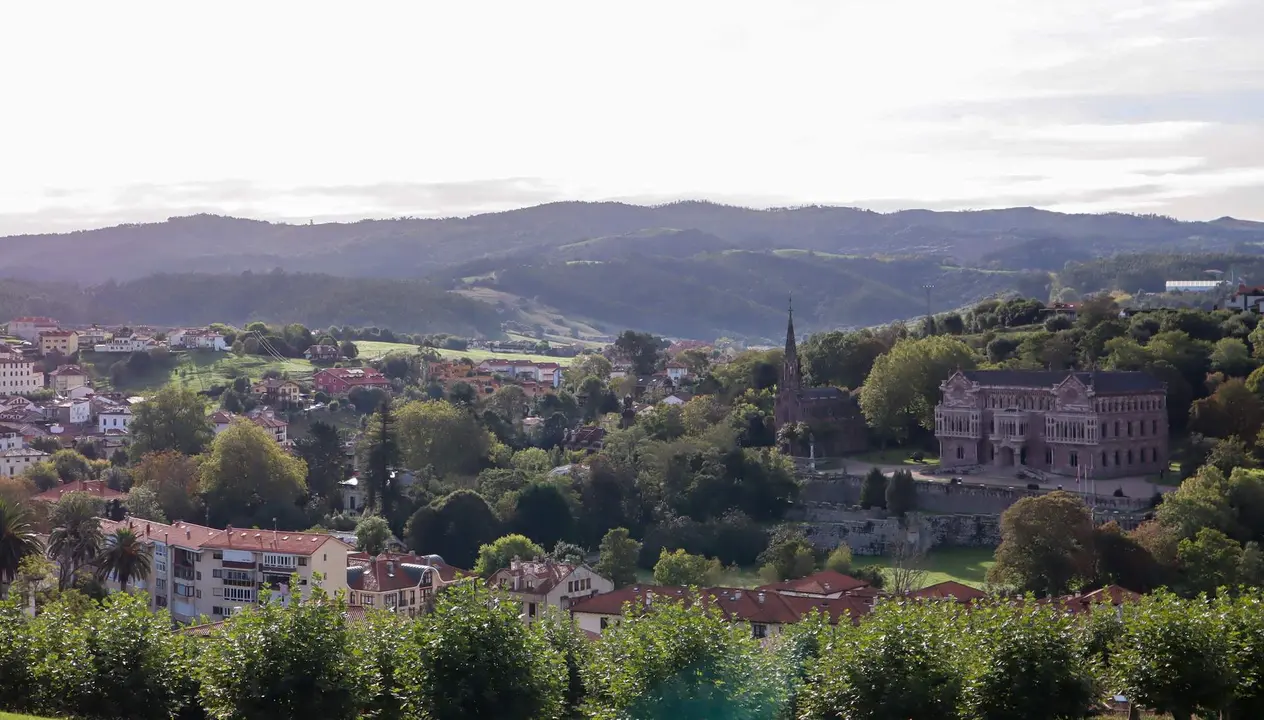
point(791, 371)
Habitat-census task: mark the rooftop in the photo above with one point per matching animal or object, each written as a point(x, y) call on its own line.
point(97, 488)
point(1101, 381)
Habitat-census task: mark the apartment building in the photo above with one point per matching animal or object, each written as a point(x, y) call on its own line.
point(17, 373)
point(206, 572)
point(65, 342)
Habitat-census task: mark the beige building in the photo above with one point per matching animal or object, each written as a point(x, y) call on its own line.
point(65, 342)
point(17, 373)
point(15, 461)
point(537, 584)
point(67, 378)
point(199, 571)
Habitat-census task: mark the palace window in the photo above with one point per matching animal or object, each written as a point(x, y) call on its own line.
point(1116, 428)
point(1154, 427)
point(1075, 459)
point(961, 453)
point(1048, 456)
point(1129, 457)
point(1104, 463)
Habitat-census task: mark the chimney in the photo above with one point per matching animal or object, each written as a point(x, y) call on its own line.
point(761, 598)
point(390, 568)
point(188, 534)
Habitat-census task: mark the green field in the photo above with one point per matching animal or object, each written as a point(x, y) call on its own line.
point(11, 716)
point(370, 349)
point(897, 456)
point(197, 370)
point(967, 566)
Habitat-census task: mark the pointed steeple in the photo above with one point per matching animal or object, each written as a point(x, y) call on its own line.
point(791, 371)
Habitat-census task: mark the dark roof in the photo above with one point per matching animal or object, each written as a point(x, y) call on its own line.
point(822, 393)
point(1101, 381)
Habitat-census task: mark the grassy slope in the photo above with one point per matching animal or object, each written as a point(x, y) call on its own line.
point(197, 370)
point(369, 349)
point(11, 716)
point(968, 566)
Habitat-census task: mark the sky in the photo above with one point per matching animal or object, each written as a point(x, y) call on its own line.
point(135, 112)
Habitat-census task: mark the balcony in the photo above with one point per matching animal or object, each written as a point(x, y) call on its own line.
point(958, 423)
point(1072, 429)
point(182, 572)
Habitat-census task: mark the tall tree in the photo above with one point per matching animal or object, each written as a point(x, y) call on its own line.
point(321, 449)
point(454, 527)
point(842, 359)
point(639, 349)
point(75, 540)
point(174, 418)
point(901, 493)
point(124, 557)
point(173, 477)
point(380, 454)
point(1046, 544)
point(873, 493)
point(248, 480)
point(903, 388)
point(542, 513)
point(441, 435)
point(682, 568)
point(18, 538)
point(503, 550)
point(618, 556)
point(372, 534)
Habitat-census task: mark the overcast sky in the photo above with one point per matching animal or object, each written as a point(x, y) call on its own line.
point(119, 112)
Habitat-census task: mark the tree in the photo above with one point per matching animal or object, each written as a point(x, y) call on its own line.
point(839, 559)
point(618, 555)
point(1209, 561)
point(42, 476)
point(173, 478)
point(502, 551)
point(532, 461)
point(283, 660)
point(18, 538)
point(682, 661)
point(46, 444)
point(248, 480)
point(372, 534)
point(379, 450)
point(568, 553)
point(542, 513)
point(1124, 560)
point(454, 527)
point(481, 661)
point(901, 493)
point(1046, 544)
point(1231, 357)
point(463, 394)
point(903, 388)
point(70, 466)
point(174, 418)
point(681, 568)
point(441, 435)
point(321, 449)
point(586, 365)
point(873, 492)
point(1202, 501)
point(639, 349)
point(1228, 454)
point(788, 557)
point(1231, 410)
point(1172, 657)
point(142, 502)
point(908, 568)
point(349, 349)
point(75, 540)
point(841, 359)
point(510, 401)
point(124, 557)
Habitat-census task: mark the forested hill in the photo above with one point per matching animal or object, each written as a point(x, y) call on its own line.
point(198, 299)
point(1017, 239)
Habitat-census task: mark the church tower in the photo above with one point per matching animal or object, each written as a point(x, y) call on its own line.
point(788, 404)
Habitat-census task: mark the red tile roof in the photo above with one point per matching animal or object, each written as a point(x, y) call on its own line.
point(544, 575)
point(34, 319)
point(825, 582)
point(97, 488)
point(949, 589)
point(395, 571)
point(197, 536)
point(57, 333)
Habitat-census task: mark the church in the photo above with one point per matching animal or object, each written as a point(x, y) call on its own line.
point(832, 415)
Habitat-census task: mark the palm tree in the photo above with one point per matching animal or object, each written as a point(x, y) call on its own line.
point(17, 540)
point(76, 537)
point(124, 556)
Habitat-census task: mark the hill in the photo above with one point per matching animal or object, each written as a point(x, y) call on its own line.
point(410, 247)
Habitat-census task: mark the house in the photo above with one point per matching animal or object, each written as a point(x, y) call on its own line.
point(767, 612)
point(83, 392)
point(65, 342)
point(66, 378)
point(276, 390)
point(114, 419)
point(677, 371)
point(353, 495)
point(130, 344)
point(1247, 299)
point(322, 353)
point(221, 420)
point(15, 461)
point(823, 584)
point(397, 582)
point(537, 584)
point(10, 439)
point(93, 336)
point(29, 328)
point(949, 590)
point(589, 438)
point(620, 371)
point(72, 412)
point(199, 571)
point(1086, 424)
point(96, 488)
point(677, 398)
point(197, 339)
point(277, 427)
point(340, 381)
point(17, 373)
point(547, 373)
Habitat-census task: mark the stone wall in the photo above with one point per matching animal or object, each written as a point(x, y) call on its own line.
point(865, 535)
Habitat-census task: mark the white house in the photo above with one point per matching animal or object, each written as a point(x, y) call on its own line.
point(135, 343)
point(221, 420)
point(114, 419)
point(1247, 298)
point(29, 328)
point(353, 496)
point(197, 339)
point(16, 461)
point(540, 583)
point(549, 373)
point(677, 371)
point(17, 374)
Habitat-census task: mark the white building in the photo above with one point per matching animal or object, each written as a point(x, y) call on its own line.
point(16, 461)
point(18, 375)
point(135, 343)
point(29, 328)
point(198, 339)
point(115, 419)
point(540, 583)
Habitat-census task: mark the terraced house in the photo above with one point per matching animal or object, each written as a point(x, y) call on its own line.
point(1080, 424)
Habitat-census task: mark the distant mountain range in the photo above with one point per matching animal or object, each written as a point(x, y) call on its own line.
point(689, 268)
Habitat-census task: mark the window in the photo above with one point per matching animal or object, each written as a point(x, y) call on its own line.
point(1129, 457)
point(1129, 428)
point(1103, 429)
point(412, 597)
point(1048, 456)
point(1154, 427)
point(217, 573)
point(605, 623)
point(1116, 428)
point(1075, 459)
point(759, 630)
point(1116, 457)
point(352, 601)
point(217, 592)
point(218, 554)
point(530, 609)
point(1142, 429)
point(239, 594)
point(302, 562)
point(1104, 463)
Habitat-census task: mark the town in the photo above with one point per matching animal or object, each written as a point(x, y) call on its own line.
point(1091, 454)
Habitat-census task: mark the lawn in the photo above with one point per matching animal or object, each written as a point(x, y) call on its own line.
point(747, 577)
point(968, 566)
point(11, 716)
point(370, 349)
point(198, 370)
point(897, 456)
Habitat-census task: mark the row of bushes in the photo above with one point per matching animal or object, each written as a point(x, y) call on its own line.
point(473, 658)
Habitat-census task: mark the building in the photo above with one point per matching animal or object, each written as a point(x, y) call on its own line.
point(833, 416)
point(276, 390)
point(1247, 299)
point(93, 336)
point(1082, 424)
point(589, 438)
point(29, 328)
point(353, 495)
point(275, 426)
point(96, 488)
point(197, 339)
point(823, 584)
point(546, 373)
point(199, 571)
point(677, 371)
point(66, 378)
point(322, 353)
point(221, 420)
point(1193, 285)
point(15, 461)
point(117, 418)
point(17, 373)
point(130, 344)
point(65, 342)
point(397, 582)
point(340, 381)
point(766, 611)
point(537, 584)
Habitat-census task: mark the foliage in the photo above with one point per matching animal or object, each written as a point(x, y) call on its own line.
point(125, 558)
point(901, 495)
point(788, 557)
point(454, 527)
point(499, 553)
point(18, 538)
point(1046, 544)
point(902, 389)
point(321, 450)
point(75, 539)
point(543, 513)
point(873, 493)
point(173, 478)
point(841, 359)
point(441, 435)
point(372, 534)
point(839, 559)
point(247, 480)
point(173, 419)
point(618, 556)
point(681, 568)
